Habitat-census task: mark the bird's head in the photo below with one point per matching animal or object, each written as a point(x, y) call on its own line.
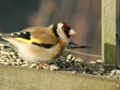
point(62, 29)
point(66, 28)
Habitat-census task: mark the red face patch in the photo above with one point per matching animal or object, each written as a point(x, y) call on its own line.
point(66, 26)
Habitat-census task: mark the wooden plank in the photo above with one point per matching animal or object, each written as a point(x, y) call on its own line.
point(28, 79)
point(109, 30)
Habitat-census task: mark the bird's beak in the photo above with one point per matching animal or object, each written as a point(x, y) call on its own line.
point(72, 32)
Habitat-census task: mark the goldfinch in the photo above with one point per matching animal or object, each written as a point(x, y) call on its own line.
point(41, 44)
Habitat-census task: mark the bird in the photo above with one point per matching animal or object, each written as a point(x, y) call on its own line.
point(40, 44)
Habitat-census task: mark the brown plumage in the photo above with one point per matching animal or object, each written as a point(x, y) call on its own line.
point(41, 44)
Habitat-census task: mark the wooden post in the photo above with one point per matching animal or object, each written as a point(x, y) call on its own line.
point(109, 30)
point(118, 33)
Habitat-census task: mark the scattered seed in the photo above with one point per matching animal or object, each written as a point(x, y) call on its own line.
point(69, 56)
point(33, 65)
point(53, 67)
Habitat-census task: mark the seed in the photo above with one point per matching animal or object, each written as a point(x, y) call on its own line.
point(73, 58)
point(24, 65)
point(12, 53)
point(53, 67)
point(4, 63)
point(33, 65)
point(69, 56)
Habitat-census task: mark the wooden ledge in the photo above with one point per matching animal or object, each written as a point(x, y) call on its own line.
point(12, 78)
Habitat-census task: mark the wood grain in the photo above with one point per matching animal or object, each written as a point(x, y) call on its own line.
point(28, 79)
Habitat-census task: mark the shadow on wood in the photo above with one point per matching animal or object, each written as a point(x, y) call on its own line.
point(109, 53)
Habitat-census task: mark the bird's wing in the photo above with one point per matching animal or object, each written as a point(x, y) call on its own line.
point(38, 35)
point(44, 36)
